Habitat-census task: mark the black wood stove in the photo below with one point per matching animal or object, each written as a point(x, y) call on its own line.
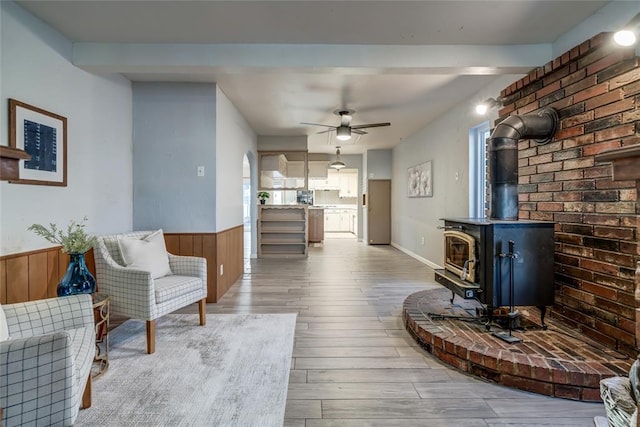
point(502, 261)
point(499, 263)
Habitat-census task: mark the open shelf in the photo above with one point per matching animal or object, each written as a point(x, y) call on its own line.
point(282, 231)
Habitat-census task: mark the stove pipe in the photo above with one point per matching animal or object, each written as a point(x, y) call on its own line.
point(503, 157)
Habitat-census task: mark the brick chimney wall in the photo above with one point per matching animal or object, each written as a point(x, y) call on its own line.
point(596, 89)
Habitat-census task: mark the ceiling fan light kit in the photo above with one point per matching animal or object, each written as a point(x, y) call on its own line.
point(343, 133)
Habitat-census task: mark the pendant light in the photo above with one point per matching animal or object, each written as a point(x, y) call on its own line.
point(338, 164)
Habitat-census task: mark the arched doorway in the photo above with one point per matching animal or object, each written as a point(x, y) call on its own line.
point(249, 209)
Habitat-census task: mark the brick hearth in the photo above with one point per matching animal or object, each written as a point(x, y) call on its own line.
point(558, 362)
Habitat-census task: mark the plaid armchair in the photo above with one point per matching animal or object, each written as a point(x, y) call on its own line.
point(45, 365)
point(135, 294)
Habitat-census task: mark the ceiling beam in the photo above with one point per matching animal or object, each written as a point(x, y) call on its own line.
point(340, 59)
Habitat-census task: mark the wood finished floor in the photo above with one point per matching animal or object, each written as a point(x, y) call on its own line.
point(353, 362)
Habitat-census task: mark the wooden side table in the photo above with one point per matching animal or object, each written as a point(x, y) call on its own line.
point(101, 317)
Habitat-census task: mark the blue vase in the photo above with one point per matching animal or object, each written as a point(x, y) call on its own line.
point(78, 279)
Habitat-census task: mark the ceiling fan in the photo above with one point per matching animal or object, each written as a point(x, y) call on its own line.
point(344, 130)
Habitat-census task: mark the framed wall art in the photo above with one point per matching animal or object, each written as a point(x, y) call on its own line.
point(420, 180)
point(43, 135)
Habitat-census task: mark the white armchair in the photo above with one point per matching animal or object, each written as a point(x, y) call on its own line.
point(45, 365)
point(136, 294)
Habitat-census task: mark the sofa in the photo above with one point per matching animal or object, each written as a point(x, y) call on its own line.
point(46, 352)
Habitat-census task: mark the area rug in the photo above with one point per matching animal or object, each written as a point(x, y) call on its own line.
point(232, 372)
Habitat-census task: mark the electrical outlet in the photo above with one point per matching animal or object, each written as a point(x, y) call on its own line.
point(422, 240)
point(222, 269)
point(200, 170)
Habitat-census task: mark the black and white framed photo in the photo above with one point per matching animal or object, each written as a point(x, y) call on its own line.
point(43, 135)
point(420, 180)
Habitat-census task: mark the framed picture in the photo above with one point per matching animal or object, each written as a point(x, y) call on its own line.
point(420, 180)
point(43, 135)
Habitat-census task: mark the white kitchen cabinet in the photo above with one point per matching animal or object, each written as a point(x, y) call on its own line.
point(348, 185)
point(332, 182)
point(338, 220)
point(331, 221)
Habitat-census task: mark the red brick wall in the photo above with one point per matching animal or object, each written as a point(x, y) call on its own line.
point(596, 89)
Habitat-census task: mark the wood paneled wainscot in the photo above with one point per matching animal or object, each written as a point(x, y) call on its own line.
point(29, 276)
point(34, 275)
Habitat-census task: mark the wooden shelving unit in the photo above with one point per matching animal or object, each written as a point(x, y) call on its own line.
point(283, 231)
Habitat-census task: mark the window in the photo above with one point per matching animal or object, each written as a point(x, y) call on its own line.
point(478, 170)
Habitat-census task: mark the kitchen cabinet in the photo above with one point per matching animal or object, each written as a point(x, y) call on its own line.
point(339, 220)
point(274, 163)
point(348, 185)
point(295, 169)
point(282, 170)
point(318, 169)
point(283, 231)
point(331, 221)
point(316, 225)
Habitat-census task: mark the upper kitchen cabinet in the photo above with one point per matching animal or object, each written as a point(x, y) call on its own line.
point(348, 184)
point(282, 170)
point(318, 169)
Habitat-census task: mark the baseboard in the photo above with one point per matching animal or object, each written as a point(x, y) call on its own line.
point(416, 256)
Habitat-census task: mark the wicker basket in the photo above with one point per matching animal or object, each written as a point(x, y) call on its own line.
point(618, 403)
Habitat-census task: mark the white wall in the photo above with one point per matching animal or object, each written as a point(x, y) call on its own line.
point(234, 138)
point(445, 141)
point(174, 133)
point(36, 70)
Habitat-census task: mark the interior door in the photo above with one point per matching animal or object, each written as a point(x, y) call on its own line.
point(379, 212)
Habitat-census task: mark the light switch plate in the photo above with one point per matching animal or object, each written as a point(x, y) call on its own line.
point(200, 170)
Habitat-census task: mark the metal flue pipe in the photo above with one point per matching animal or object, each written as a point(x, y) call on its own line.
point(503, 157)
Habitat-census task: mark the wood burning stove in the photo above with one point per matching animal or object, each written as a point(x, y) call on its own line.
point(502, 261)
point(476, 265)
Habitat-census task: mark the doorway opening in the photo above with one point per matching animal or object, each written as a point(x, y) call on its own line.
point(338, 195)
point(247, 213)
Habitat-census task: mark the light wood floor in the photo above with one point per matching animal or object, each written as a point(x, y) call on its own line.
point(353, 362)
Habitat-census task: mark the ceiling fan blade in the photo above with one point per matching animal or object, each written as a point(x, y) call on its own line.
point(359, 132)
point(326, 131)
point(371, 125)
point(318, 124)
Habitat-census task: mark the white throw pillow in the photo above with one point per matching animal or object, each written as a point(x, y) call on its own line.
point(148, 254)
point(4, 327)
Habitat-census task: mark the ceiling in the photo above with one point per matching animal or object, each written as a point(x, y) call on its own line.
point(285, 62)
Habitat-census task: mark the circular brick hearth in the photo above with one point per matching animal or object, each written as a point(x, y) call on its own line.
point(550, 362)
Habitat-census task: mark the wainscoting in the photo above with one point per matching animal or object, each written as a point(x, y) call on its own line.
point(33, 275)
